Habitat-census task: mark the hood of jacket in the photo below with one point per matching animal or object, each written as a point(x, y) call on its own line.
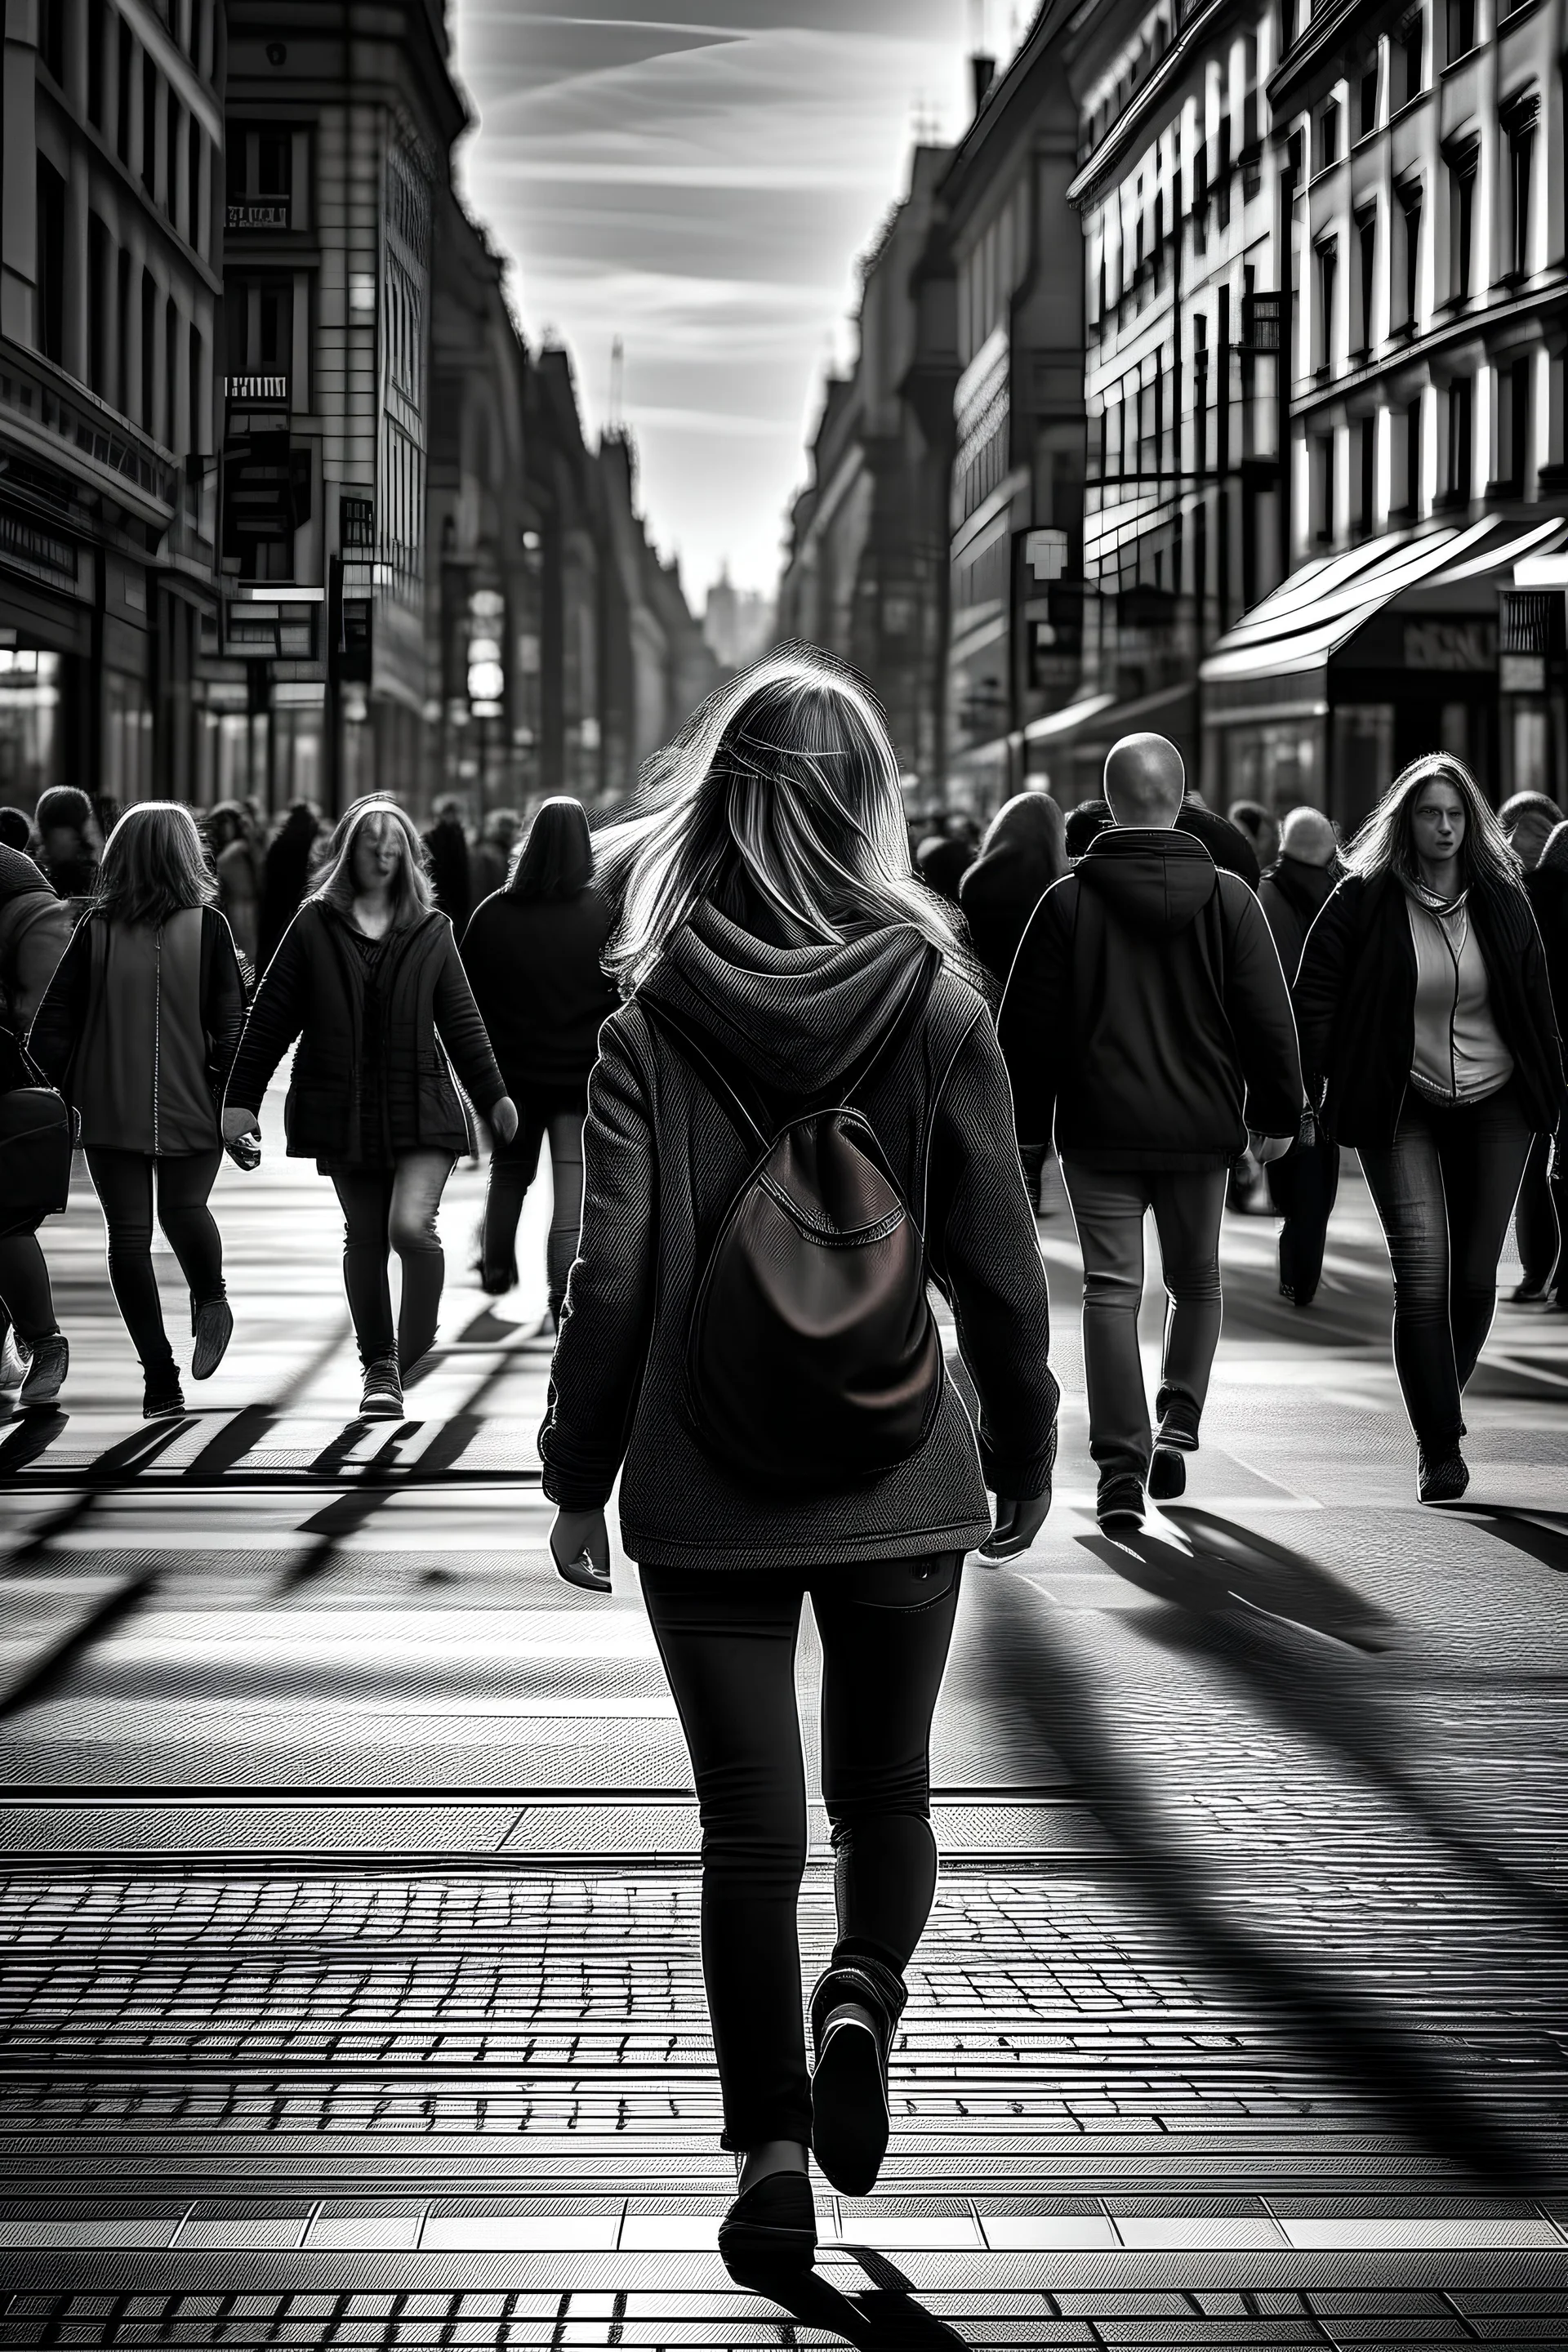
point(19, 877)
point(1155, 880)
point(1014, 871)
point(798, 1018)
point(1553, 858)
point(1306, 889)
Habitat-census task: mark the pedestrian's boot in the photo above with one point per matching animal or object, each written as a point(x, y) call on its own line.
point(769, 2234)
point(1177, 1435)
point(1119, 1505)
point(383, 1397)
point(854, 2009)
point(48, 1365)
point(163, 1398)
point(212, 1325)
point(1442, 1474)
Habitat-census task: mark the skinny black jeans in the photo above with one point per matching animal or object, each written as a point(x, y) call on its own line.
point(728, 1641)
point(387, 1210)
point(27, 1302)
point(1540, 1219)
point(513, 1167)
point(1444, 1190)
point(123, 1182)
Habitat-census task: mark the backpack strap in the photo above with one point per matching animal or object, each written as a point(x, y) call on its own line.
point(699, 1052)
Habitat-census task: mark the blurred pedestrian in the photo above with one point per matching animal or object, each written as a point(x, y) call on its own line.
point(70, 844)
point(1431, 1045)
point(490, 860)
point(532, 953)
point(1252, 819)
point(285, 878)
point(447, 850)
point(1547, 884)
point(16, 831)
point(35, 932)
point(238, 872)
point(368, 979)
point(1529, 819)
point(941, 863)
point(746, 1327)
point(1023, 853)
point(138, 1027)
point(1304, 1184)
point(1147, 1020)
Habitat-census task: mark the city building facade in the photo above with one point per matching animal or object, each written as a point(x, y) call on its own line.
point(110, 260)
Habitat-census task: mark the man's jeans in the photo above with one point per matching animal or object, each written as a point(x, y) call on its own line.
point(1108, 1207)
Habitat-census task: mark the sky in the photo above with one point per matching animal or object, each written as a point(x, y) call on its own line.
point(697, 177)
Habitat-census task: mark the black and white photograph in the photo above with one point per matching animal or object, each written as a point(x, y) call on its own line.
point(783, 1175)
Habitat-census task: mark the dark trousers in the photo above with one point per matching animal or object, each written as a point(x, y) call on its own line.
point(1444, 1190)
point(27, 1302)
point(387, 1209)
point(1302, 1187)
point(1108, 1207)
point(124, 1184)
point(1541, 1219)
point(728, 1641)
point(513, 1167)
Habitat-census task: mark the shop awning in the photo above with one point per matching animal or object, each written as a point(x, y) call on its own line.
point(1126, 718)
point(1322, 605)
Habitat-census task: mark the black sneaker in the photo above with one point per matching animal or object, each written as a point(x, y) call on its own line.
point(1179, 1418)
point(1528, 1294)
point(1120, 1502)
point(1167, 1475)
point(46, 1370)
point(854, 2008)
point(769, 2231)
point(212, 1324)
point(382, 1398)
point(1440, 1477)
point(162, 1400)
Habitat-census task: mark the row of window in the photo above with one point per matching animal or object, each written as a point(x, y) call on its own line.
point(1390, 76)
point(144, 355)
point(1405, 493)
point(138, 111)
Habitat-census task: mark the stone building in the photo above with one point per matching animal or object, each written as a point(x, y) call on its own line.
point(658, 666)
point(111, 246)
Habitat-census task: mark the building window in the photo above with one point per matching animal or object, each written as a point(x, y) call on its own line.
point(1327, 276)
point(149, 123)
point(48, 329)
point(1460, 412)
point(52, 39)
point(148, 354)
point(1366, 434)
point(97, 34)
point(193, 225)
point(172, 143)
point(122, 111)
point(99, 281)
point(171, 376)
point(1513, 425)
point(1461, 28)
point(1461, 223)
point(1368, 116)
point(1410, 212)
point(1366, 261)
point(1410, 51)
point(195, 354)
point(1412, 457)
point(123, 388)
point(1329, 135)
point(1323, 487)
point(1522, 162)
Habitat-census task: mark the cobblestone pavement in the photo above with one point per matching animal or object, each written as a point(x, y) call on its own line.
point(348, 1889)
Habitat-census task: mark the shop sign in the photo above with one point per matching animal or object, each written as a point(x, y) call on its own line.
point(1522, 674)
point(254, 213)
point(1450, 646)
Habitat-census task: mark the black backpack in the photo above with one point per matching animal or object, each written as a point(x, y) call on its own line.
point(812, 1360)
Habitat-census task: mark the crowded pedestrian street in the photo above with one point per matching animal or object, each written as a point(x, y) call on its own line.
point(349, 1886)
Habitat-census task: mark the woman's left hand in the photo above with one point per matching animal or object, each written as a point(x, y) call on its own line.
point(580, 1546)
point(503, 1119)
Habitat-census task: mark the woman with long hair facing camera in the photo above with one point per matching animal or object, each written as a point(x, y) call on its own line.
point(533, 952)
point(1430, 1042)
point(138, 1028)
point(799, 1114)
point(368, 979)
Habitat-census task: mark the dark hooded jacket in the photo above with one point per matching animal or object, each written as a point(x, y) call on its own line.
point(1546, 886)
point(1227, 844)
point(1147, 1017)
point(664, 1157)
point(35, 932)
point(533, 966)
point(1026, 852)
point(1292, 895)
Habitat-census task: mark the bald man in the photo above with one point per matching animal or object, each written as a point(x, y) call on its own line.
point(1303, 1186)
point(1147, 1024)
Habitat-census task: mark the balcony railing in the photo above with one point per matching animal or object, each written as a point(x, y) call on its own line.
point(65, 421)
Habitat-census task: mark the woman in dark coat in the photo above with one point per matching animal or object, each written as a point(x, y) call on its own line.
point(779, 958)
point(138, 1028)
point(368, 977)
point(285, 878)
point(1023, 852)
point(532, 953)
point(1429, 1042)
point(35, 932)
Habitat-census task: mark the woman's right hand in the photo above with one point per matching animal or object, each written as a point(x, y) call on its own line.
point(236, 1123)
point(580, 1546)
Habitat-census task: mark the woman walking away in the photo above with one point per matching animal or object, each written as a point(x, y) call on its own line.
point(368, 979)
point(1430, 1045)
point(285, 878)
point(138, 1028)
point(35, 932)
point(1023, 852)
point(238, 876)
point(799, 1114)
point(532, 953)
point(1304, 1185)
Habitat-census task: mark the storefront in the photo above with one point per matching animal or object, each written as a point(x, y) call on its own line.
point(1412, 643)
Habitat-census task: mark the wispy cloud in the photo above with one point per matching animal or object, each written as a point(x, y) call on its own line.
point(698, 181)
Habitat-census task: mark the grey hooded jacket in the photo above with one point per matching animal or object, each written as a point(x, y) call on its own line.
point(663, 1159)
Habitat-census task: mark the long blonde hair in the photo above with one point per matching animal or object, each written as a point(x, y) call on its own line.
point(336, 868)
point(1386, 842)
point(784, 780)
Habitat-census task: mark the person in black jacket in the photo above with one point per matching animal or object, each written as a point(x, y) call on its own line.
point(446, 855)
point(532, 953)
point(138, 1028)
point(1529, 820)
point(368, 977)
point(1547, 884)
point(1431, 1045)
point(1227, 845)
point(1147, 1018)
point(1023, 852)
point(779, 954)
point(285, 878)
point(35, 932)
point(1303, 1186)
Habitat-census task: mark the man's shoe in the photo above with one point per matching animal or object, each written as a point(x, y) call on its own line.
point(1120, 1502)
point(854, 2008)
point(1527, 1293)
point(383, 1397)
point(1179, 1418)
point(15, 1357)
point(1440, 1477)
point(47, 1372)
point(769, 2231)
point(162, 1400)
point(212, 1324)
point(1167, 1475)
